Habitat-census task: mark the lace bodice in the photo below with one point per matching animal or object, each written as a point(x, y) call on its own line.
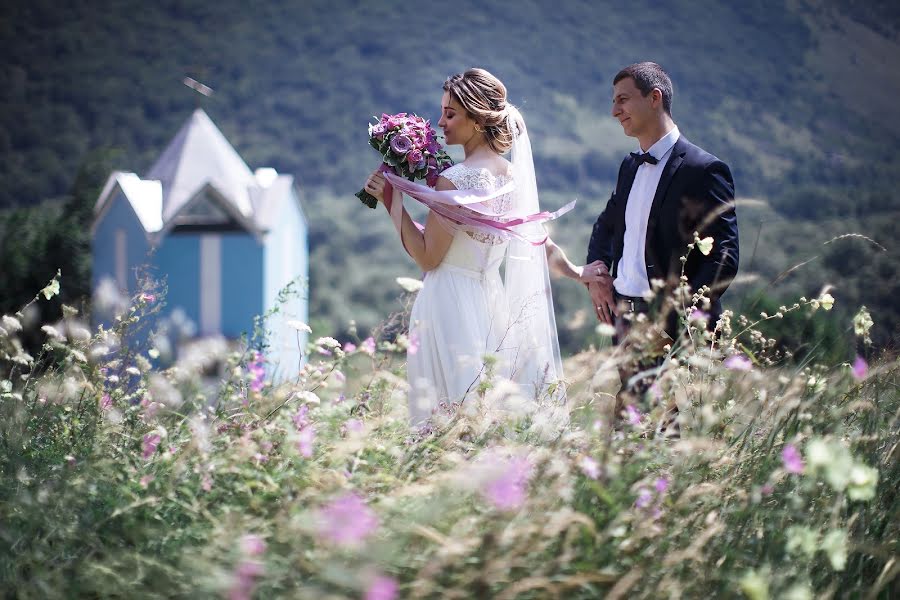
point(478, 251)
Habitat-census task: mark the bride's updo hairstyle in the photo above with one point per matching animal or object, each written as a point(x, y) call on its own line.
point(483, 97)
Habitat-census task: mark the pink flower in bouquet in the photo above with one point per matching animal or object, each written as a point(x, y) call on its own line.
point(414, 157)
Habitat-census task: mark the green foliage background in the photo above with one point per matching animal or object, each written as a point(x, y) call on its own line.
point(798, 97)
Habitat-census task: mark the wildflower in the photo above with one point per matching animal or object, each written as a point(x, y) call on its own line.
point(244, 579)
point(52, 288)
point(862, 322)
point(860, 368)
point(863, 482)
point(698, 316)
point(206, 482)
point(153, 353)
point(306, 440)
point(738, 362)
point(633, 415)
point(409, 284)
point(53, 333)
point(301, 418)
point(148, 298)
point(705, 246)
point(606, 330)
point(258, 371)
point(299, 326)
point(413, 346)
point(827, 301)
point(834, 544)
point(508, 490)
point(644, 498)
point(793, 463)
point(352, 426)
point(325, 345)
point(755, 586)
point(349, 347)
point(589, 467)
point(105, 402)
point(308, 398)
point(661, 485)
point(347, 520)
point(151, 443)
point(368, 345)
point(252, 545)
point(802, 539)
point(382, 588)
point(145, 481)
point(11, 324)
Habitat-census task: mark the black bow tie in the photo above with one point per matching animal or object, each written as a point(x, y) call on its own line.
point(646, 157)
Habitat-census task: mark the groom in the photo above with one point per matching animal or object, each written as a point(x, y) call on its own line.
point(664, 193)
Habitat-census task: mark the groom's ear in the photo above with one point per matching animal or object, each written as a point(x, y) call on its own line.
point(656, 98)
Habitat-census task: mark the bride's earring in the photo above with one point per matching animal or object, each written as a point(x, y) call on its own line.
point(479, 129)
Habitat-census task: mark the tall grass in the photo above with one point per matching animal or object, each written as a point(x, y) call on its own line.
point(121, 479)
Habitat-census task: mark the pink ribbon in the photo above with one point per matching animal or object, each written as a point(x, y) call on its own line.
point(459, 206)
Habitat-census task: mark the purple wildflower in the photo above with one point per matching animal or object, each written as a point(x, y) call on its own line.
point(244, 579)
point(258, 371)
point(347, 520)
point(661, 485)
point(252, 545)
point(382, 588)
point(413, 346)
point(508, 491)
point(105, 402)
point(738, 362)
point(859, 369)
point(349, 347)
point(151, 443)
point(301, 419)
point(643, 499)
point(793, 462)
point(368, 345)
point(306, 440)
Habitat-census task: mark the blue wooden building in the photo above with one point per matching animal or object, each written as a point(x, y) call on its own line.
point(225, 238)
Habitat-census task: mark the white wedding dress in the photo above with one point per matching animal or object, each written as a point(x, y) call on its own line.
point(460, 314)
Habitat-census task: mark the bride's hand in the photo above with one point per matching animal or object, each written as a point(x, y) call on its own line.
point(594, 272)
point(375, 185)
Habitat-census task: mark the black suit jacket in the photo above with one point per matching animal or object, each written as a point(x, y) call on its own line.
point(695, 193)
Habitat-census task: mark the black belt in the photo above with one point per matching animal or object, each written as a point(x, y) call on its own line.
point(632, 304)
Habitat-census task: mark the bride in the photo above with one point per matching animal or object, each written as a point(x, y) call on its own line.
point(465, 310)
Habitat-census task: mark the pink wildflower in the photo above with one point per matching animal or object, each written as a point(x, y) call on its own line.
point(589, 467)
point(347, 520)
point(244, 579)
point(859, 369)
point(793, 463)
point(349, 347)
point(301, 419)
point(634, 415)
point(413, 346)
point(148, 298)
point(105, 402)
point(738, 362)
point(508, 491)
point(306, 440)
point(256, 368)
point(151, 443)
point(643, 499)
point(661, 485)
point(352, 426)
point(382, 588)
point(252, 545)
point(368, 345)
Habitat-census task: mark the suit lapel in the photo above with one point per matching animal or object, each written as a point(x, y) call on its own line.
point(623, 190)
point(675, 160)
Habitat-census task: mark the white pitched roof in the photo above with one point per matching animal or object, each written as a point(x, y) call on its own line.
point(200, 154)
point(199, 158)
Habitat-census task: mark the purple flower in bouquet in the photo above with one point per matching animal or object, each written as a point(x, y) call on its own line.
point(414, 157)
point(401, 144)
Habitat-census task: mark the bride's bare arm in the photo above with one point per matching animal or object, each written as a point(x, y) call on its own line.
point(560, 265)
point(426, 248)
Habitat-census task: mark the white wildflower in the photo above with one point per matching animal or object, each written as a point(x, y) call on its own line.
point(409, 284)
point(299, 326)
point(827, 301)
point(705, 246)
point(11, 324)
point(834, 544)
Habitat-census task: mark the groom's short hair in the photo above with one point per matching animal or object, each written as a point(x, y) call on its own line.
point(647, 76)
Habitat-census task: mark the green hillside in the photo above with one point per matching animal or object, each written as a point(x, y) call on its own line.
point(798, 97)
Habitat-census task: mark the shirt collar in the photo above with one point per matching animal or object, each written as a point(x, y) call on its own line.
point(664, 144)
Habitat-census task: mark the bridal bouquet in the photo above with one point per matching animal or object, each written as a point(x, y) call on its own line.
point(409, 148)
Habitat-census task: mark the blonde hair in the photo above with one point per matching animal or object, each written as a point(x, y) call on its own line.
point(483, 97)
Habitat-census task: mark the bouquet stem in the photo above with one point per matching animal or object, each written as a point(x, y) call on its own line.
point(367, 198)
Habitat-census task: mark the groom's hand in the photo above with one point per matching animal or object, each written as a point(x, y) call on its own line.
point(603, 300)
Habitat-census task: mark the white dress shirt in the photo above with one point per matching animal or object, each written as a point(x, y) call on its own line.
point(631, 276)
